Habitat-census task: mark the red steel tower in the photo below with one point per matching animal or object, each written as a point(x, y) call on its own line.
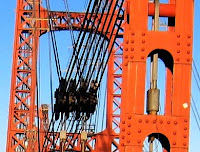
point(174, 48)
point(126, 78)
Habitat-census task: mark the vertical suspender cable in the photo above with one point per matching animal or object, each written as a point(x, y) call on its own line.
point(54, 44)
point(51, 89)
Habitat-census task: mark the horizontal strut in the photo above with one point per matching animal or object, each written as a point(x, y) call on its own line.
point(166, 10)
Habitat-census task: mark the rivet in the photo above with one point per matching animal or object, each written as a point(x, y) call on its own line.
point(188, 60)
point(168, 122)
point(189, 36)
point(140, 120)
point(123, 137)
point(188, 44)
point(128, 141)
point(142, 49)
point(154, 121)
point(123, 122)
point(174, 132)
point(129, 117)
point(126, 49)
point(132, 57)
point(126, 56)
point(174, 143)
point(132, 49)
point(185, 120)
point(184, 144)
point(177, 59)
point(178, 43)
point(143, 34)
point(126, 64)
point(143, 41)
point(161, 121)
point(132, 41)
point(139, 131)
point(129, 125)
point(142, 57)
point(123, 129)
point(133, 33)
point(178, 51)
point(185, 128)
point(188, 52)
point(175, 122)
point(127, 42)
point(139, 141)
point(146, 121)
point(128, 133)
point(178, 35)
point(185, 136)
point(122, 144)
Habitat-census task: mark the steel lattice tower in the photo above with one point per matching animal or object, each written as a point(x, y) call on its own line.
point(126, 77)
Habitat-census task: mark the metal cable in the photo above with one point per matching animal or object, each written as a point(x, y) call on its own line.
point(69, 22)
point(91, 44)
point(52, 35)
point(54, 44)
point(119, 11)
point(51, 87)
point(198, 125)
point(195, 108)
point(80, 33)
point(81, 43)
point(47, 3)
point(76, 57)
point(104, 38)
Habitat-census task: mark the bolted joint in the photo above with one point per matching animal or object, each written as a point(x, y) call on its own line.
point(153, 96)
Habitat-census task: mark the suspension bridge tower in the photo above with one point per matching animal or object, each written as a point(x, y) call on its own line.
point(131, 105)
point(174, 48)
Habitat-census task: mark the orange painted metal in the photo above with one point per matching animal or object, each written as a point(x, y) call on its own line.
point(31, 23)
point(22, 111)
point(126, 88)
point(166, 10)
point(139, 42)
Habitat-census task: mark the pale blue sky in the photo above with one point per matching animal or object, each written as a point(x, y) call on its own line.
point(7, 11)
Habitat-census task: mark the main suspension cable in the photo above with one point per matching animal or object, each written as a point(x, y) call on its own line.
point(80, 33)
point(91, 44)
point(103, 41)
point(80, 45)
point(111, 47)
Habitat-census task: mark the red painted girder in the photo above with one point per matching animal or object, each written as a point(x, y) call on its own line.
point(94, 142)
point(166, 10)
point(61, 21)
point(24, 69)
